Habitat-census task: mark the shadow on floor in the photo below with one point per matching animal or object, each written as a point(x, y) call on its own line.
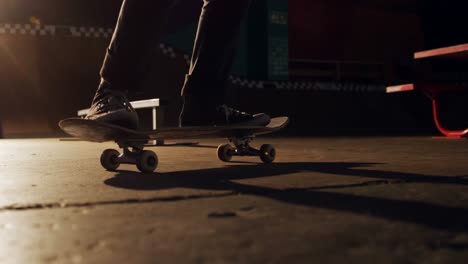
point(421, 213)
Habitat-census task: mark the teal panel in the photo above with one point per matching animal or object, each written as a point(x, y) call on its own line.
point(263, 45)
point(278, 43)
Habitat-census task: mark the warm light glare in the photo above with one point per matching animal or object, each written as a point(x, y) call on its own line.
point(34, 20)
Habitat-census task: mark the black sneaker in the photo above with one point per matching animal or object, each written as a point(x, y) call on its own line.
point(202, 115)
point(113, 107)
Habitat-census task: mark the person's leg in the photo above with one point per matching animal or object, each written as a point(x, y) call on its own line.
point(213, 54)
point(135, 37)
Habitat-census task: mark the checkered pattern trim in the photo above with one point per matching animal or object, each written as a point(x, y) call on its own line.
point(187, 59)
point(91, 32)
point(328, 87)
point(78, 32)
point(283, 85)
point(307, 86)
point(174, 53)
point(26, 29)
point(53, 30)
point(246, 83)
point(167, 50)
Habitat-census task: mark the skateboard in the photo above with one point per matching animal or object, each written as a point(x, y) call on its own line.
point(132, 142)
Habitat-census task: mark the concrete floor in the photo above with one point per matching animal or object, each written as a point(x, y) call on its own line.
point(326, 200)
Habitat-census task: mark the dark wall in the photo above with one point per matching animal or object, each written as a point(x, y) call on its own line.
point(444, 22)
point(373, 29)
point(61, 12)
point(86, 12)
point(353, 30)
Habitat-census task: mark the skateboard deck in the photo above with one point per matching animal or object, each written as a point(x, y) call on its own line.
point(95, 131)
point(146, 161)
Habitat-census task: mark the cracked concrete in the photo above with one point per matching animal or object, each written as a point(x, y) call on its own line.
point(326, 200)
point(20, 207)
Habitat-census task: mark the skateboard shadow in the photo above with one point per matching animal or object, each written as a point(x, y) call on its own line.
point(224, 178)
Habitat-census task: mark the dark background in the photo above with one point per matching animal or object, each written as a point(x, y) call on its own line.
point(45, 79)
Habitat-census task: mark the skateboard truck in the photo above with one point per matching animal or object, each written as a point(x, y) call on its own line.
point(267, 152)
point(147, 161)
point(133, 153)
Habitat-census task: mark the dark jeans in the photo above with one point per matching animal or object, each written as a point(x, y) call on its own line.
point(138, 33)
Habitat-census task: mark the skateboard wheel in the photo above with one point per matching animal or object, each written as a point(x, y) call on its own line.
point(147, 161)
point(225, 152)
point(109, 159)
point(267, 153)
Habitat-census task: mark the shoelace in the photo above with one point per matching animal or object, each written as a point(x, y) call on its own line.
point(230, 112)
point(112, 100)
